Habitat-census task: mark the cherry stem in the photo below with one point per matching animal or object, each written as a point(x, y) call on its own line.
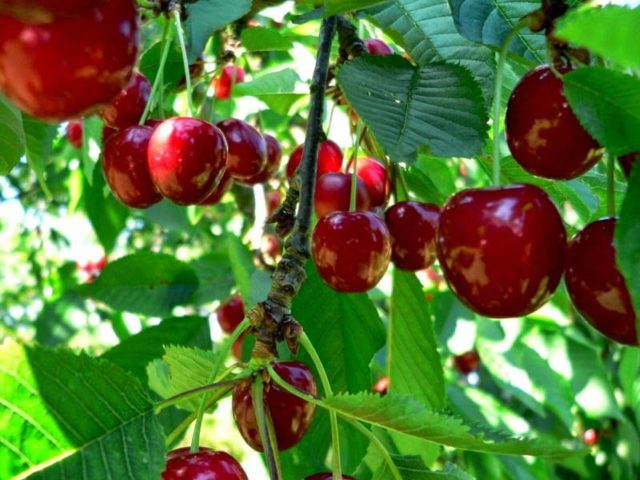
point(403, 181)
point(497, 98)
point(333, 416)
point(379, 445)
point(330, 122)
point(353, 201)
point(611, 185)
point(219, 363)
point(265, 428)
point(195, 391)
point(167, 38)
point(185, 59)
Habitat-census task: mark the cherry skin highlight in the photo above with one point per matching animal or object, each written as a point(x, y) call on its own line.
point(596, 285)
point(329, 159)
point(543, 133)
point(333, 194)
point(291, 415)
point(274, 157)
point(186, 158)
point(375, 177)
point(128, 106)
point(247, 149)
point(231, 314)
point(377, 47)
point(229, 76)
point(206, 464)
point(413, 227)
point(502, 250)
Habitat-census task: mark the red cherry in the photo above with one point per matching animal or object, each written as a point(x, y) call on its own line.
point(590, 437)
point(100, 264)
point(126, 169)
point(107, 132)
point(329, 159)
point(224, 185)
point(186, 159)
point(543, 133)
point(270, 246)
point(377, 47)
point(413, 227)
point(374, 175)
point(381, 386)
point(467, 362)
point(247, 149)
point(502, 249)
point(238, 346)
point(229, 76)
point(74, 133)
point(43, 11)
point(127, 108)
point(333, 194)
point(627, 161)
point(595, 284)
point(291, 415)
point(206, 464)
point(231, 314)
point(352, 250)
point(70, 67)
point(326, 476)
point(274, 199)
point(274, 156)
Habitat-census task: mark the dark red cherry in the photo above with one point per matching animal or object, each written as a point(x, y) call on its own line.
point(377, 47)
point(224, 185)
point(231, 314)
point(333, 194)
point(381, 386)
point(329, 159)
point(374, 175)
point(238, 345)
point(229, 76)
point(206, 464)
point(326, 476)
point(187, 158)
point(274, 157)
point(351, 250)
point(74, 133)
point(44, 11)
point(127, 108)
point(596, 285)
point(413, 227)
point(291, 415)
point(126, 169)
point(543, 133)
point(502, 250)
point(627, 161)
point(467, 362)
point(72, 66)
point(590, 437)
point(107, 132)
point(247, 149)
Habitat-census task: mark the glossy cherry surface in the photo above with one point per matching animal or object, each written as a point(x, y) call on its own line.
point(43, 11)
point(223, 186)
point(502, 250)
point(206, 464)
point(413, 227)
point(229, 76)
point(72, 66)
point(627, 162)
point(542, 131)
point(326, 476)
point(590, 437)
point(467, 362)
point(291, 415)
point(596, 285)
point(375, 177)
point(333, 194)
point(247, 149)
point(274, 157)
point(74, 133)
point(329, 159)
point(126, 169)
point(187, 158)
point(127, 107)
point(351, 250)
point(231, 314)
point(377, 47)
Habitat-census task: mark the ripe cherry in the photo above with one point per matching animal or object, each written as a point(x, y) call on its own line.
point(413, 227)
point(274, 199)
point(326, 476)
point(329, 159)
point(333, 194)
point(381, 386)
point(377, 47)
point(467, 362)
point(270, 246)
point(627, 161)
point(375, 177)
point(590, 437)
point(596, 285)
point(127, 107)
point(502, 250)
point(186, 159)
point(44, 11)
point(74, 133)
point(247, 149)
point(352, 250)
point(126, 169)
point(229, 76)
point(107, 132)
point(274, 157)
point(47, 72)
point(543, 133)
point(231, 314)
point(291, 415)
point(206, 464)
point(224, 185)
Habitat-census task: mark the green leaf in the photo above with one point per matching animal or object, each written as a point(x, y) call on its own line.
point(607, 103)
point(333, 7)
point(490, 21)
point(407, 107)
point(429, 32)
point(411, 467)
point(173, 69)
point(38, 139)
point(134, 353)
point(609, 31)
point(205, 17)
point(12, 141)
point(262, 39)
point(91, 148)
point(215, 277)
point(69, 416)
point(146, 283)
point(279, 90)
